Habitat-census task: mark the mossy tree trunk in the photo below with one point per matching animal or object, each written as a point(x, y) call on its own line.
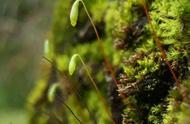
point(146, 92)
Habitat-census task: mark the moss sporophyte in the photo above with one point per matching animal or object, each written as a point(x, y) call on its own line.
point(72, 67)
point(51, 97)
point(73, 20)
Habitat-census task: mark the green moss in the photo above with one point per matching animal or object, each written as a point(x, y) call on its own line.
point(178, 109)
point(143, 66)
point(128, 42)
point(156, 114)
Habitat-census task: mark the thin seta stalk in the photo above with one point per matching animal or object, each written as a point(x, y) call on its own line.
point(74, 18)
point(108, 65)
point(52, 92)
point(53, 87)
point(72, 67)
point(72, 88)
point(51, 97)
point(159, 45)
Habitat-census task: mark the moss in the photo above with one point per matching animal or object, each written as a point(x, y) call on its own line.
point(156, 114)
point(143, 75)
point(144, 70)
point(66, 41)
point(178, 108)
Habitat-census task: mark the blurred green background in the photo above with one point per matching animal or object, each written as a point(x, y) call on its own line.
point(24, 25)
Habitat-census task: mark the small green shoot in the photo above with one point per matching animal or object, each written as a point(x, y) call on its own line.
point(52, 92)
point(74, 16)
point(72, 67)
point(51, 97)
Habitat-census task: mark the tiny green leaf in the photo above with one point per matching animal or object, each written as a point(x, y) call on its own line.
point(74, 13)
point(52, 92)
point(72, 64)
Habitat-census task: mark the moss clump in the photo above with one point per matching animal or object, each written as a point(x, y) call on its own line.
point(178, 109)
point(146, 79)
point(143, 75)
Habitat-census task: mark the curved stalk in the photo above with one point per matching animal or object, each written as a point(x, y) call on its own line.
point(95, 86)
point(51, 97)
point(107, 63)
